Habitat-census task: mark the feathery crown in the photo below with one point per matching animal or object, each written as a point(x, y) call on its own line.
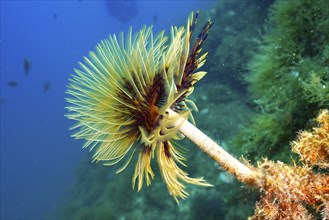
point(121, 95)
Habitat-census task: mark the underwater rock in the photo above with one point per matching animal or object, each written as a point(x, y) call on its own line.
point(226, 177)
point(238, 24)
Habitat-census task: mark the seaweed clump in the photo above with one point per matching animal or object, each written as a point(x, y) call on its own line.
point(296, 191)
point(288, 77)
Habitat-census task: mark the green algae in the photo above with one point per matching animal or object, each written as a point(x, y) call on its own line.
point(288, 77)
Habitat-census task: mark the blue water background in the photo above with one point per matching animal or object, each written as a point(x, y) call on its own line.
point(38, 156)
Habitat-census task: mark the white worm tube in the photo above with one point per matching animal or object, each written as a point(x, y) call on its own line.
point(223, 158)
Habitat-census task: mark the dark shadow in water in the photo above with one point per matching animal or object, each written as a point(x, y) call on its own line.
point(122, 10)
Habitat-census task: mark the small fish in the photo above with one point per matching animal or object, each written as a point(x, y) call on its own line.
point(27, 65)
point(46, 86)
point(155, 18)
point(12, 83)
point(55, 16)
